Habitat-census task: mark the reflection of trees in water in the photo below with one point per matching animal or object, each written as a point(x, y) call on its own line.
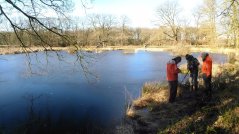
point(81, 63)
point(41, 121)
point(34, 120)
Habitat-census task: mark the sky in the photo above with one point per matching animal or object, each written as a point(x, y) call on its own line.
point(142, 13)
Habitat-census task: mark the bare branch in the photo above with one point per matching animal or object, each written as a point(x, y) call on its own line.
point(226, 10)
point(32, 18)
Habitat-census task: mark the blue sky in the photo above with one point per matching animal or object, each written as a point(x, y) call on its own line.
point(140, 12)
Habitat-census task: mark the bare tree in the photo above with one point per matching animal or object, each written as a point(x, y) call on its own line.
point(124, 20)
point(168, 15)
point(34, 13)
point(44, 21)
point(209, 11)
point(103, 24)
point(197, 19)
point(228, 6)
point(137, 36)
point(230, 16)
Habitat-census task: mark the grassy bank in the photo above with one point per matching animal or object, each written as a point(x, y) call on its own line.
point(19, 50)
point(192, 112)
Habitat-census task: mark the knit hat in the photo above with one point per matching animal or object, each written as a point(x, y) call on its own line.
point(177, 59)
point(188, 57)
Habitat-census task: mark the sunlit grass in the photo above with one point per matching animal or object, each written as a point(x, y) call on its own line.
point(152, 92)
point(191, 113)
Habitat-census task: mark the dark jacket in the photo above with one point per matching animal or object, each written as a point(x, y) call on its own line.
point(193, 64)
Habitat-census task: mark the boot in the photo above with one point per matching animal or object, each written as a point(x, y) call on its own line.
point(191, 88)
point(196, 88)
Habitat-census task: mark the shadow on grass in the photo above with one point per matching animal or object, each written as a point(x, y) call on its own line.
point(202, 120)
point(218, 111)
point(192, 112)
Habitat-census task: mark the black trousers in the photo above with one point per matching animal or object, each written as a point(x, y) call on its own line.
point(193, 80)
point(172, 90)
point(208, 85)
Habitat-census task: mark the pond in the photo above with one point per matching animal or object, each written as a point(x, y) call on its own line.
point(52, 93)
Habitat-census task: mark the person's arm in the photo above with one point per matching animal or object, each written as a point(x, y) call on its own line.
point(179, 70)
point(176, 69)
point(197, 62)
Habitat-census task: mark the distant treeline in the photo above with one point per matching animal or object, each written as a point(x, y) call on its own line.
point(216, 23)
point(115, 36)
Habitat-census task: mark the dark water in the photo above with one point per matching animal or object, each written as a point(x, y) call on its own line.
point(55, 94)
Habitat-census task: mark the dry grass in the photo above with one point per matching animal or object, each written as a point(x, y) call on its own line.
point(191, 113)
point(220, 116)
point(175, 49)
point(228, 121)
point(157, 98)
point(130, 112)
point(152, 92)
point(129, 51)
point(19, 50)
point(124, 129)
point(217, 69)
point(180, 50)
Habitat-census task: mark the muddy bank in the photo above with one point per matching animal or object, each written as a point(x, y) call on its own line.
point(192, 112)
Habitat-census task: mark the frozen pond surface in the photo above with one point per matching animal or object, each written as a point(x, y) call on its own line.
point(58, 91)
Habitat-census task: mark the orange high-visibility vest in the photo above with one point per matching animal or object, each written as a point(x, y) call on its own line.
point(172, 71)
point(207, 66)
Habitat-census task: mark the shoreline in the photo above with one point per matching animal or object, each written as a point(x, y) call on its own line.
point(191, 112)
point(176, 50)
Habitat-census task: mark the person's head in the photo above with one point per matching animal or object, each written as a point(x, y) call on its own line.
point(188, 57)
point(177, 59)
point(204, 56)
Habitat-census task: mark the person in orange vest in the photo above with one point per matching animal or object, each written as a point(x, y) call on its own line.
point(172, 77)
point(207, 73)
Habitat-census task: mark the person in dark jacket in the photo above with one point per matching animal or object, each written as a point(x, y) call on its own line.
point(172, 77)
point(192, 66)
point(207, 73)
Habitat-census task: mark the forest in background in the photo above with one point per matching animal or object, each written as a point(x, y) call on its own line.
point(216, 23)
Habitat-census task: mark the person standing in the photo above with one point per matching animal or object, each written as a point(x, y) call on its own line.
point(192, 66)
point(172, 77)
point(207, 74)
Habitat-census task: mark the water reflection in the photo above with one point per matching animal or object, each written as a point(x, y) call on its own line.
point(59, 96)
